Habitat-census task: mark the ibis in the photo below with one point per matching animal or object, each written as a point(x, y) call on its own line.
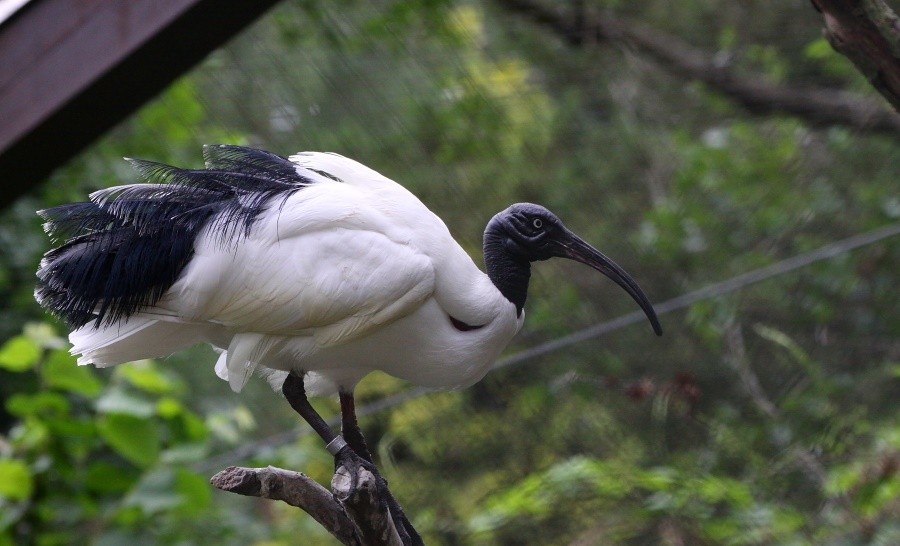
point(314, 270)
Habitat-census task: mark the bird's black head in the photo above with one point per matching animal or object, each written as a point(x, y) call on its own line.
point(525, 233)
point(529, 231)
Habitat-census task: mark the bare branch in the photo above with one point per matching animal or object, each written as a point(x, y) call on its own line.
point(737, 359)
point(294, 488)
point(757, 93)
point(868, 33)
point(808, 463)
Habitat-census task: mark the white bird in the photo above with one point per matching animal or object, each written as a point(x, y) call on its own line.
point(313, 264)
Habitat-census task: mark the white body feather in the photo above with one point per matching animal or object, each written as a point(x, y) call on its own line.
point(338, 279)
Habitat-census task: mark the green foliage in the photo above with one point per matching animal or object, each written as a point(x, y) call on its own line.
point(59, 373)
point(15, 480)
point(19, 354)
point(99, 452)
point(726, 507)
point(135, 438)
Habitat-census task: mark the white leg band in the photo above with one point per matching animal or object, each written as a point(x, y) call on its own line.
point(336, 445)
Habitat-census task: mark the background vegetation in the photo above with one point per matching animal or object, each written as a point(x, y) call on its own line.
point(766, 415)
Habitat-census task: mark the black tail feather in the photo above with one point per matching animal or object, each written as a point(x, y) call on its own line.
point(125, 247)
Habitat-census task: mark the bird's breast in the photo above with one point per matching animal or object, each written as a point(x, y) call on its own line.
point(425, 348)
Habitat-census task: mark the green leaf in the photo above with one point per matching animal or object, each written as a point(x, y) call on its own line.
point(894, 370)
point(31, 434)
point(194, 490)
point(169, 407)
point(818, 49)
point(44, 335)
point(118, 400)
point(135, 439)
point(189, 427)
point(167, 489)
point(61, 371)
point(841, 479)
point(77, 434)
point(155, 492)
point(145, 375)
point(104, 477)
point(185, 453)
point(15, 480)
point(782, 339)
point(39, 404)
point(19, 354)
point(117, 537)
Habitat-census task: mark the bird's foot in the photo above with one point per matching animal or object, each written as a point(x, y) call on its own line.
point(353, 466)
point(354, 471)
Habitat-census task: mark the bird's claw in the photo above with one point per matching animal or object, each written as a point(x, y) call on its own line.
point(354, 465)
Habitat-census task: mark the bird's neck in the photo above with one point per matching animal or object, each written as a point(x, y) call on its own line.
point(509, 273)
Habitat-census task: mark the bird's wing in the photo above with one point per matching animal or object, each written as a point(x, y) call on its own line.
point(332, 285)
point(325, 265)
point(340, 169)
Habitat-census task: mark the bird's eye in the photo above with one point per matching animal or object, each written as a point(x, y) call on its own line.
point(537, 223)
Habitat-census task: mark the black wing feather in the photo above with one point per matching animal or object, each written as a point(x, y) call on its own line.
point(125, 247)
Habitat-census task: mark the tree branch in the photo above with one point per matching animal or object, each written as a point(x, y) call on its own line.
point(759, 95)
point(868, 33)
point(296, 489)
point(355, 517)
point(737, 360)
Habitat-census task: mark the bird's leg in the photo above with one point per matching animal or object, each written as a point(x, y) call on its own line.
point(355, 439)
point(350, 427)
point(295, 393)
point(344, 455)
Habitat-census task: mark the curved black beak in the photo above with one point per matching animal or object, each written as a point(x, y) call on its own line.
point(573, 247)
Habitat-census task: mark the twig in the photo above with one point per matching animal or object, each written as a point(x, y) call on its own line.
point(737, 359)
point(806, 461)
point(296, 489)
